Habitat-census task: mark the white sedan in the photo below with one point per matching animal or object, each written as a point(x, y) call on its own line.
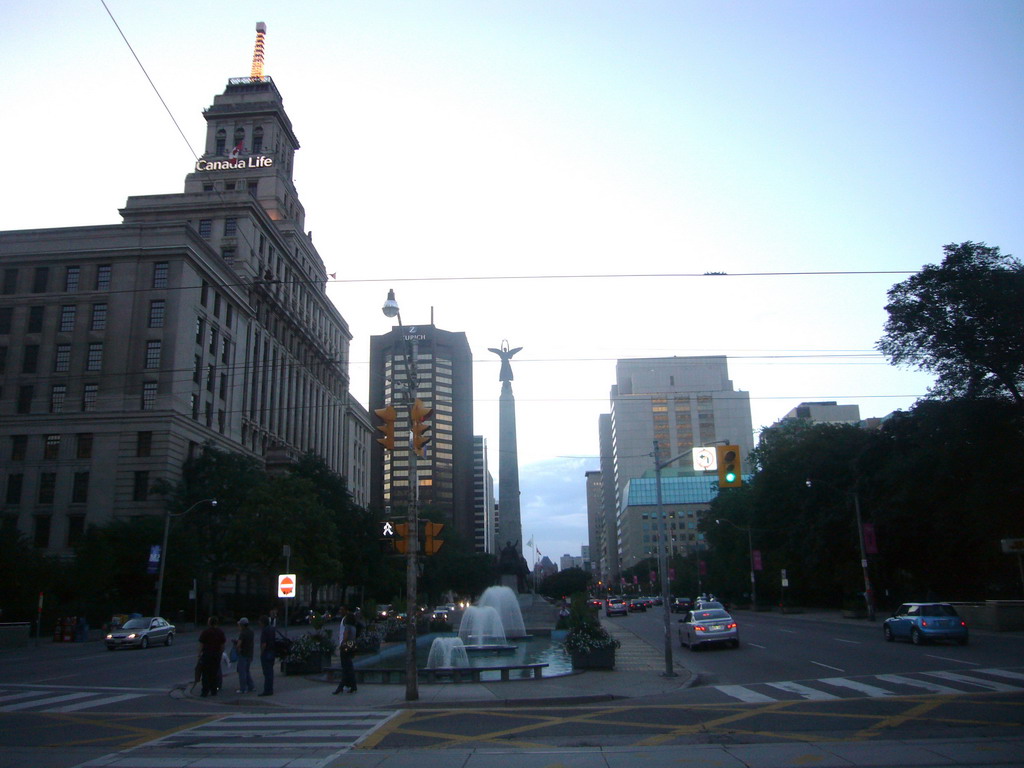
point(705, 626)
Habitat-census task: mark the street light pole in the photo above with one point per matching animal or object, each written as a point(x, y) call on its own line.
point(163, 551)
point(663, 564)
point(390, 309)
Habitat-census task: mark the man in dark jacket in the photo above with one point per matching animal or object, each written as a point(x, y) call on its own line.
point(267, 655)
point(211, 648)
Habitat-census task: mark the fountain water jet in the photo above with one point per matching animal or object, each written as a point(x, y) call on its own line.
point(506, 602)
point(481, 630)
point(446, 653)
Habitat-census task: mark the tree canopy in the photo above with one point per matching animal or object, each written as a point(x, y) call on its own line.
point(963, 321)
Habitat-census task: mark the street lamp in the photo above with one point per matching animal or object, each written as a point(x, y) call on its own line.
point(750, 549)
point(163, 549)
point(390, 309)
point(869, 595)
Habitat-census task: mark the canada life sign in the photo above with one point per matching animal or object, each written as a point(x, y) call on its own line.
point(235, 163)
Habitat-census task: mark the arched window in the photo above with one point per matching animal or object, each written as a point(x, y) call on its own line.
point(239, 138)
point(221, 141)
point(257, 140)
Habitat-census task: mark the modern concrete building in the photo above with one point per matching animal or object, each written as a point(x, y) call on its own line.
point(201, 319)
point(441, 364)
point(682, 403)
point(484, 515)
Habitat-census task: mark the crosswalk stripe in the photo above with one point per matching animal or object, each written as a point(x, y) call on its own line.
point(802, 690)
point(744, 694)
point(97, 702)
point(960, 678)
point(43, 702)
point(1003, 673)
point(927, 685)
point(15, 696)
point(868, 690)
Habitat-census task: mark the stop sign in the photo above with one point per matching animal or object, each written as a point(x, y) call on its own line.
point(286, 585)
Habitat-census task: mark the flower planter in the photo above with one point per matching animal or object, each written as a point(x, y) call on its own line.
point(308, 666)
point(595, 658)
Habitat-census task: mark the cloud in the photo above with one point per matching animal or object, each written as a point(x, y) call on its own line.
point(553, 504)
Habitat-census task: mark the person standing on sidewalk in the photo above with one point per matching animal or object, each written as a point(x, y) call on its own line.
point(346, 650)
point(211, 648)
point(243, 647)
point(267, 655)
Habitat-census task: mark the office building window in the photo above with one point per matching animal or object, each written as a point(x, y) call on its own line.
point(84, 449)
point(30, 358)
point(41, 534)
point(221, 420)
point(57, 395)
point(5, 319)
point(25, 393)
point(51, 447)
point(209, 414)
point(213, 341)
point(197, 371)
point(211, 374)
point(62, 358)
point(3, 359)
point(99, 317)
point(143, 444)
point(221, 142)
point(67, 318)
point(204, 293)
point(14, 485)
point(148, 395)
point(10, 281)
point(160, 271)
point(225, 353)
point(195, 406)
point(40, 279)
point(216, 305)
point(223, 386)
point(76, 529)
point(230, 227)
point(89, 395)
point(35, 319)
point(72, 278)
point(47, 485)
point(152, 355)
point(80, 488)
point(157, 308)
point(205, 227)
point(103, 277)
point(229, 316)
point(19, 447)
point(200, 330)
point(94, 358)
point(257, 140)
point(140, 490)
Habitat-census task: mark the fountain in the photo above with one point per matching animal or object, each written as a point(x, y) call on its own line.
point(505, 601)
point(446, 653)
point(481, 630)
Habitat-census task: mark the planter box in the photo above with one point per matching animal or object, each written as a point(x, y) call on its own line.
point(598, 658)
point(310, 666)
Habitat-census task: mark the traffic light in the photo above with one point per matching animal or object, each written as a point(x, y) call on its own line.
point(431, 544)
point(388, 416)
point(729, 472)
point(419, 414)
point(401, 538)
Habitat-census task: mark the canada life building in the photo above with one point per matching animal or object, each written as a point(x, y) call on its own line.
point(201, 319)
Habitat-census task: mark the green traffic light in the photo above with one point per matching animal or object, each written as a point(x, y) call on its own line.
point(730, 477)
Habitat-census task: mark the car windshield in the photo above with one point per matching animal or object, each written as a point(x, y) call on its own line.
point(938, 610)
point(136, 624)
point(705, 615)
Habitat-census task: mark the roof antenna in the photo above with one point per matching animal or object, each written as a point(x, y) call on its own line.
point(257, 53)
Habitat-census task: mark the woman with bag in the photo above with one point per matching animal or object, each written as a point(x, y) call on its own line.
point(242, 653)
point(346, 650)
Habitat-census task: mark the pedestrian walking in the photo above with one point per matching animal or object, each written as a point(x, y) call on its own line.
point(346, 650)
point(267, 655)
point(244, 651)
point(211, 647)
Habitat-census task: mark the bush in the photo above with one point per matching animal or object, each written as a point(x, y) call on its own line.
point(585, 630)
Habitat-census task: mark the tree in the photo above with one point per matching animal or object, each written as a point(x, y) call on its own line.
point(567, 582)
point(962, 321)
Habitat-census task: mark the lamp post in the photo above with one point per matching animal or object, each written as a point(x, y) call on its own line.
point(869, 595)
point(390, 309)
point(750, 550)
point(163, 550)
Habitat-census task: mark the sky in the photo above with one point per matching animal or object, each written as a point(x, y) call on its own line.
point(561, 175)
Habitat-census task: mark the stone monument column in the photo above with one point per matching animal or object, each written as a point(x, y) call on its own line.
point(510, 528)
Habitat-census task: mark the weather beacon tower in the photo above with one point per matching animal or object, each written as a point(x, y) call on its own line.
point(510, 527)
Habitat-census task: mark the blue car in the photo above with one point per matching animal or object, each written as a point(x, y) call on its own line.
point(923, 622)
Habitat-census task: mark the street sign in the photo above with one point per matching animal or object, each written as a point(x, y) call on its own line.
point(1013, 546)
point(154, 559)
point(286, 585)
point(705, 459)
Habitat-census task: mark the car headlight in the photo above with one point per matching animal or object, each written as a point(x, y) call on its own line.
point(132, 636)
point(110, 637)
